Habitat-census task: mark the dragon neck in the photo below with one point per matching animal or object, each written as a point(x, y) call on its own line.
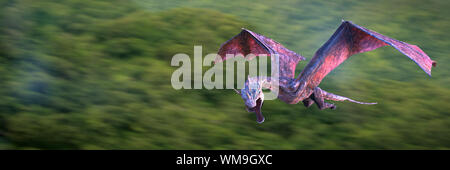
point(263, 81)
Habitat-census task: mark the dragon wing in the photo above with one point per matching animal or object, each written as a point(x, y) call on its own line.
point(350, 39)
point(248, 42)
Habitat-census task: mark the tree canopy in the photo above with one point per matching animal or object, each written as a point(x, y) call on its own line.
point(96, 75)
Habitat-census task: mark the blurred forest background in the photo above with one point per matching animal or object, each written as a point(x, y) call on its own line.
point(96, 75)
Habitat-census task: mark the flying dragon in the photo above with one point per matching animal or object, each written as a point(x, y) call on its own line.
point(348, 39)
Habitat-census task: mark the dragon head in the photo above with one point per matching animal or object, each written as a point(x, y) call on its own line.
point(253, 97)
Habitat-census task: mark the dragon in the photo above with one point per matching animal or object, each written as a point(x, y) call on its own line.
point(349, 39)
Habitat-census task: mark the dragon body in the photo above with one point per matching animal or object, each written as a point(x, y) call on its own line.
point(348, 39)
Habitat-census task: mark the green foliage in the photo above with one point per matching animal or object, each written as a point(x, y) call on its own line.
point(96, 75)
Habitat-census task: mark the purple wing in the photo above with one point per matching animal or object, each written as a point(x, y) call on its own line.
point(248, 42)
point(350, 39)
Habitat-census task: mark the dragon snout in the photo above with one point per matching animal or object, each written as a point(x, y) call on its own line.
point(250, 104)
point(255, 106)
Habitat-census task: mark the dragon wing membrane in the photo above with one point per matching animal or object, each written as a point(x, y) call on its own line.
point(248, 42)
point(350, 39)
